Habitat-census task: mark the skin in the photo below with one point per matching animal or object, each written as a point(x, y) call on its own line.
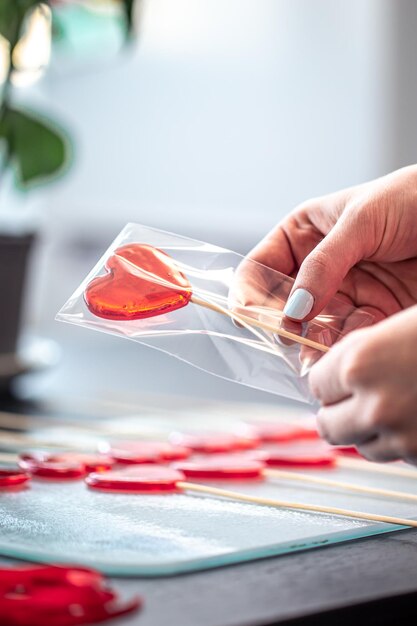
point(361, 244)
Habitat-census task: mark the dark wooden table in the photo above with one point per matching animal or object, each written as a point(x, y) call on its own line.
point(371, 581)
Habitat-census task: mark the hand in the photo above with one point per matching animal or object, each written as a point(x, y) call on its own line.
point(360, 243)
point(367, 385)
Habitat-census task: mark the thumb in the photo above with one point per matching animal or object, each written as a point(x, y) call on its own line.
point(323, 271)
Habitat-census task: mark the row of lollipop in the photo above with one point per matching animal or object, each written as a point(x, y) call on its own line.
point(156, 467)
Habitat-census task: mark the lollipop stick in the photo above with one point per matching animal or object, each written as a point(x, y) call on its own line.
point(8, 457)
point(9, 440)
point(373, 491)
point(233, 495)
point(246, 320)
point(379, 468)
point(22, 422)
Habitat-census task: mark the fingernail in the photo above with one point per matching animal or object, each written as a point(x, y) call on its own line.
point(299, 305)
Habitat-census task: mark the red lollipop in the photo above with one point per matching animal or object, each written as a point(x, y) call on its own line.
point(45, 465)
point(154, 479)
point(91, 462)
point(281, 432)
point(10, 478)
point(221, 467)
point(137, 452)
point(214, 443)
point(141, 282)
point(65, 465)
point(348, 451)
point(58, 596)
point(298, 455)
point(142, 479)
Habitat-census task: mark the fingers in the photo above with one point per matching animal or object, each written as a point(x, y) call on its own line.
point(381, 449)
point(324, 269)
point(275, 251)
point(330, 378)
point(344, 424)
point(255, 283)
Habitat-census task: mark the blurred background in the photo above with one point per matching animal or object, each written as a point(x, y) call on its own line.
point(209, 118)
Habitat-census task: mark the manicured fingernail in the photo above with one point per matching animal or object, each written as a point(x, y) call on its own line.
point(299, 305)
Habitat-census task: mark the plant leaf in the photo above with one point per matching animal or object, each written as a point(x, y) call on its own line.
point(37, 149)
point(12, 13)
point(128, 7)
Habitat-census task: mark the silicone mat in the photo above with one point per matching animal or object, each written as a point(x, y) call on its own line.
point(161, 535)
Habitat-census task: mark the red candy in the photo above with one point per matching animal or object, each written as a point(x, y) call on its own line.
point(348, 451)
point(221, 467)
point(214, 443)
point(281, 432)
point(141, 282)
point(66, 465)
point(58, 596)
point(141, 479)
point(305, 455)
point(137, 452)
point(91, 462)
point(12, 478)
point(45, 465)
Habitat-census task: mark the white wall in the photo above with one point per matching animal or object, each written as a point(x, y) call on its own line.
point(226, 115)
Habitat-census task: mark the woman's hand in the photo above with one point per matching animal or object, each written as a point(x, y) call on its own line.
point(367, 386)
point(360, 243)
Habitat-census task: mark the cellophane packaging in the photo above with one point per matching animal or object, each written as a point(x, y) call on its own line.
point(212, 308)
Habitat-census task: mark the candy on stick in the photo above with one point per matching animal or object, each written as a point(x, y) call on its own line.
point(45, 595)
point(143, 281)
point(214, 466)
point(136, 452)
point(280, 432)
point(63, 466)
point(214, 442)
point(239, 468)
point(153, 479)
point(290, 456)
point(306, 454)
point(13, 477)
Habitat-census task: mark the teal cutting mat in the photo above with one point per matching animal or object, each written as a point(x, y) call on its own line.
point(161, 535)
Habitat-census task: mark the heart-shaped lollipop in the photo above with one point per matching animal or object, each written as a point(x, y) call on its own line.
point(141, 282)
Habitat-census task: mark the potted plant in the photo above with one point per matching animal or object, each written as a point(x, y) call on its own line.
point(33, 151)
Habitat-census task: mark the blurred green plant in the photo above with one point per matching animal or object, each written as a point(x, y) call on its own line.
point(35, 147)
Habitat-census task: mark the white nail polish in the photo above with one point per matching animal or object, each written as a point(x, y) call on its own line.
point(299, 305)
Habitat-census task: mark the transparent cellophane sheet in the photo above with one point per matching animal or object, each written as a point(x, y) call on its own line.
point(237, 337)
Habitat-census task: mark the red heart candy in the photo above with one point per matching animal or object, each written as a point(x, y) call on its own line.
point(139, 478)
point(12, 478)
point(221, 467)
point(139, 452)
point(141, 282)
point(301, 454)
point(45, 465)
point(281, 432)
point(213, 442)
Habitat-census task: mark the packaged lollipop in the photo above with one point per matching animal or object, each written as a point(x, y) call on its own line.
point(207, 306)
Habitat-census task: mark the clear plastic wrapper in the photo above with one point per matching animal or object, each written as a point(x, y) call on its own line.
point(207, 306)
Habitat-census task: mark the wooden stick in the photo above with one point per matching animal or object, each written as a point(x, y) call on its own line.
point(250, 321)
point(22, 422)
point(233, 495)
point(379, 468)
point(12, 440)
point(373, 491)
point(8, 457)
